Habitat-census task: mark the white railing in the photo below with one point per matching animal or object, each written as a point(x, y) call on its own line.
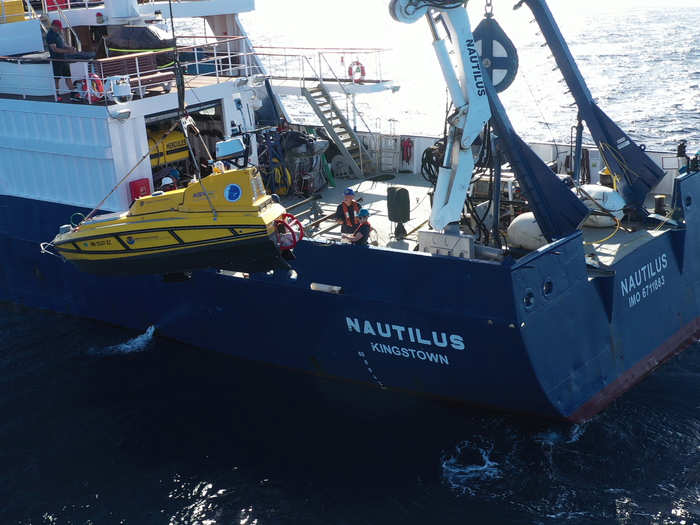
point(288, 63)
point(222, 57)
point(32, 14)
point(316, 68)
point(52, 5)
point(356, 111)
point(219, 60)
point(66, 23)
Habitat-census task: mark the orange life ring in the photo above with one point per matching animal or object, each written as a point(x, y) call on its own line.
point(95, 90)
point(357, 72)
point(288, 223)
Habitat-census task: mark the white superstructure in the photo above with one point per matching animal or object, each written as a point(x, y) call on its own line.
point(60, 150)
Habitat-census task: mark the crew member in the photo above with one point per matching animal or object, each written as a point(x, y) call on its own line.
point(360, 237)
point(167, 183)
point(346, 213)
point(57, 49)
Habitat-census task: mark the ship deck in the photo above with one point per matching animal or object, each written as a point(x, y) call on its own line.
point(603, 246)
point(372, 195)
point(606, 246)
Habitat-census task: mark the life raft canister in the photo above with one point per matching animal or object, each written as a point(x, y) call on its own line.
point(357, 72)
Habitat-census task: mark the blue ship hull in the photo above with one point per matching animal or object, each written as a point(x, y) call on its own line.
point(543, 335)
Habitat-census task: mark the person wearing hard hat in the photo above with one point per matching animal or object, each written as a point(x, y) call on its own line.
point(360, 237)
point(167, 183)
point(58, 50)
point(347, 212)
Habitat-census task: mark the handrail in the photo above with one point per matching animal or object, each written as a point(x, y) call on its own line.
point(297, 52)
point(320, 79)
point(352, 101)
point(305, 61)
point(338, 50)
point(169, 50)
point(30, 9)
point(210, 37)
point(76, 38)
point(141, 68)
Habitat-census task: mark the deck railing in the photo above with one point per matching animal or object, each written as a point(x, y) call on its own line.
point(358, 65)
point(52, 5)
point(203, 56)
point(221, 60)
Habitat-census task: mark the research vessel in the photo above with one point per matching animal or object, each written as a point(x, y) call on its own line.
point(461, 307)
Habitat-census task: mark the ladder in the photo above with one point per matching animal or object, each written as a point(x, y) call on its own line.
point(339, 129)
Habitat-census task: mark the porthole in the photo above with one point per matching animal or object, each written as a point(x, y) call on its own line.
point(529, 300)
point(547, 287)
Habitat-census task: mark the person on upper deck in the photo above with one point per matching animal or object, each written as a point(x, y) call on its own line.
point(360, 237)
point(346, 213)
point(58, 49)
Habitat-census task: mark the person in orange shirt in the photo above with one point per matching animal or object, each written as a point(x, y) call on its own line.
point(347, 212)
point(360, 237)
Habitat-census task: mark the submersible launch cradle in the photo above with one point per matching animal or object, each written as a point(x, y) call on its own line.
point(558, 331)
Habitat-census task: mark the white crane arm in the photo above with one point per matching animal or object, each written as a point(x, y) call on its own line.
point(465, 83)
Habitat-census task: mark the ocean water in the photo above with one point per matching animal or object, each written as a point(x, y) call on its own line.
point(103, 425)
point(640, 58)
point(100, 425)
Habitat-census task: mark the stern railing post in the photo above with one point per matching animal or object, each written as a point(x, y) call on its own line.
point(86, 73)
point(138, 77)
point(216, 64)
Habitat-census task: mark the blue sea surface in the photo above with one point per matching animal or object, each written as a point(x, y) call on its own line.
point(101, 425)
point(640, 59)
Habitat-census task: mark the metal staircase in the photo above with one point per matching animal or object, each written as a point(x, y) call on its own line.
point(355, 153)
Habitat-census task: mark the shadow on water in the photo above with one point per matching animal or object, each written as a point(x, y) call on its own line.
point(101, 425)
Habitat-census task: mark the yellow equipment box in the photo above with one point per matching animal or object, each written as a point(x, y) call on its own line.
point(172, 149)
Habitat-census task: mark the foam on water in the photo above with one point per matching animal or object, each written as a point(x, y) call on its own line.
point(136, 344)
point(576, 432)
point(576, 473)
point(465, 478)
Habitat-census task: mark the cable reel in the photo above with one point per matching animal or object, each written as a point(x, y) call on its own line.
point(498, 54)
